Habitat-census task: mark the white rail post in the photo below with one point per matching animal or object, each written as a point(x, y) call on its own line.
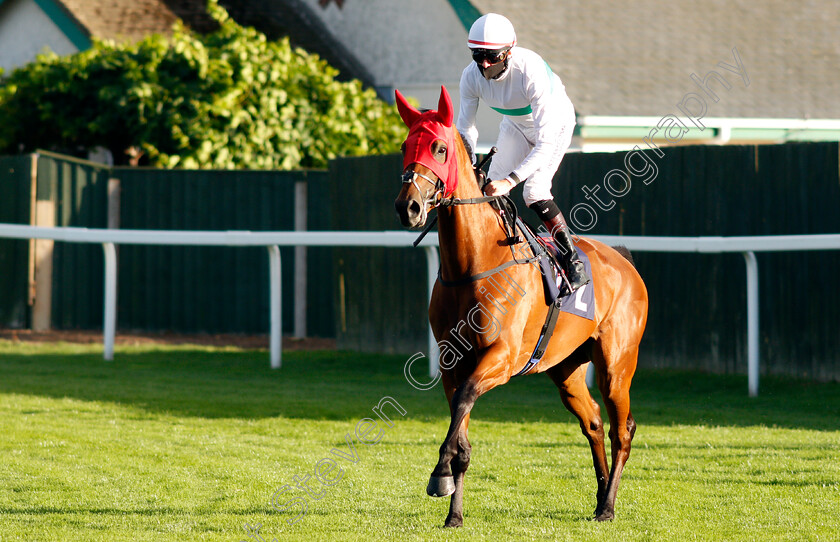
point(275, 291)
point(110, 309)
point(752, 324)
point(432, 264)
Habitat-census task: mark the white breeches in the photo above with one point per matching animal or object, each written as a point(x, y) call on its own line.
point(513, 146)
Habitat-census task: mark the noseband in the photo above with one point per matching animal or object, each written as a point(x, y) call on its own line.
point(410, 177)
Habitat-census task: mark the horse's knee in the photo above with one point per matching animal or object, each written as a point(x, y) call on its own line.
point(593, 428)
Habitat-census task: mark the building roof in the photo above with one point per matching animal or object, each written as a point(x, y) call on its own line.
point(132, 20)
point(295, 20)
point(637, 58)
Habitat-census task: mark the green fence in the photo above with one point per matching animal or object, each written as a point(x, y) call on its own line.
point(15, 182)
point(382, 300)
point(183, 289)
point(78, 190)
point(697, 301)
point(217, 289)
point(74, 191)
point(375, 299)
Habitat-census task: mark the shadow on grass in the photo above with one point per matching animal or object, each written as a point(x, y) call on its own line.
point(328, 385)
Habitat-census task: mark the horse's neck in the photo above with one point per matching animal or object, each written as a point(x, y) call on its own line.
point(470, 234)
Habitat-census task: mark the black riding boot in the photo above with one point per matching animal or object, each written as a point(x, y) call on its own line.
point(572, 264)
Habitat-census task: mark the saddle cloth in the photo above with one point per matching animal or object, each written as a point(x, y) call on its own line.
point(582, 302)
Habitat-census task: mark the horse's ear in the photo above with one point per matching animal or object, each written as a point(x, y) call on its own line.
point(407, 111)
point(445, 111)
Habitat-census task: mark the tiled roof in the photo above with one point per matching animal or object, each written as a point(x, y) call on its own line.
point(619, 58)
point(132, 20)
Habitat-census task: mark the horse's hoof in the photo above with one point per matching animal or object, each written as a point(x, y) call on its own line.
point(441, 486)
point(454, 523)
point(605, 516)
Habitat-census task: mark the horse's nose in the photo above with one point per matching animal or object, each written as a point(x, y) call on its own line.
point(408, 210)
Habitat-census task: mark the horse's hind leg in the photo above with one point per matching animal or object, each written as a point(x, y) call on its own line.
point(615, 372)
point(571, 381)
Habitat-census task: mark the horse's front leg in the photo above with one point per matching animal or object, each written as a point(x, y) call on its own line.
point(448, 476)
point(442, 481)
point(460, 463)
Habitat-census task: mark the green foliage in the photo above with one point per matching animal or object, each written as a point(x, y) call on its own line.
point(227, 99)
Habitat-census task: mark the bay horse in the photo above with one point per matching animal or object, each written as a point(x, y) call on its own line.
point(438, 172)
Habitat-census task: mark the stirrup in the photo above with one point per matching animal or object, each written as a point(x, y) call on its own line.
point(581, 277)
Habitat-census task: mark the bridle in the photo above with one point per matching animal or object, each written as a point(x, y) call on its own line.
point(438, 199)
point(410, 177)
point(509, 221)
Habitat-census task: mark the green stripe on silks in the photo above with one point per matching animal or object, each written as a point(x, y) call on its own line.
point(550, 76)
point(527, 109)
point(514, 112)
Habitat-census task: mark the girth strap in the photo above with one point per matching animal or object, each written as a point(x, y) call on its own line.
point(545, 337)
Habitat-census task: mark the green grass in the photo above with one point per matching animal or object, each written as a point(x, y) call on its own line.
point(190, 443)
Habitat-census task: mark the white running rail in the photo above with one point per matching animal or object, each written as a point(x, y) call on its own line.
point(273, 240)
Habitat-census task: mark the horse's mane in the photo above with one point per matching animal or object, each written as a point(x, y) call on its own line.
point(466, 145)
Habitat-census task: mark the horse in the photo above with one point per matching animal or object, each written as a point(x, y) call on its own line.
point(438, 173)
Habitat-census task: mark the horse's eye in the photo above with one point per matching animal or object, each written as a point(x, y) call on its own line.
point(440, 153)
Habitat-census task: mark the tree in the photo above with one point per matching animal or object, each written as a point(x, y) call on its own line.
point(227, 99)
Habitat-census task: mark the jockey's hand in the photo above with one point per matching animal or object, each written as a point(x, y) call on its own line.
point(499, 188)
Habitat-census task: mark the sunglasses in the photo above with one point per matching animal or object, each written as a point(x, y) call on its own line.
point(490, 55)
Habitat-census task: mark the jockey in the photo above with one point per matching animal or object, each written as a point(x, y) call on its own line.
point(536, 128)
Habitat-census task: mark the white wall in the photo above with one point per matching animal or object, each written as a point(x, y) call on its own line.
point(25, 31)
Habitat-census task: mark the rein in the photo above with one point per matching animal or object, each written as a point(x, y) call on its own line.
point(409, 176)
point(505, 207)
point(449, 202)
point(512, 238)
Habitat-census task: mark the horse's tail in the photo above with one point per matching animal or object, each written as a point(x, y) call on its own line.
point(624, 251)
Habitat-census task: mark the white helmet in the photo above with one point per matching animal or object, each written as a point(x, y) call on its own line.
point(492, 31)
